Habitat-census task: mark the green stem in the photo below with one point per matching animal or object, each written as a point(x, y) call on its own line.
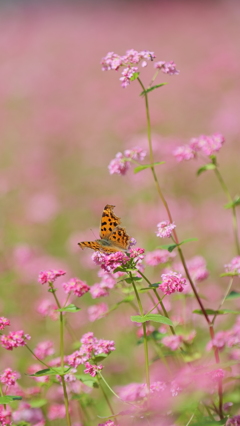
point(145, 342)
point(230, 199)
point(107, 399)
point(68, 418)
point(223, 300)
point(211, 329)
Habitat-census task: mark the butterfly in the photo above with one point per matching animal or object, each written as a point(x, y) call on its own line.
point(113, 237)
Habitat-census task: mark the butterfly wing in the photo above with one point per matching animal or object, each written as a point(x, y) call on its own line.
point(109, 222)
point(94, 245)
point(120, 238)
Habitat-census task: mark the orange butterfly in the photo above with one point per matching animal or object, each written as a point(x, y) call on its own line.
point(113, 237)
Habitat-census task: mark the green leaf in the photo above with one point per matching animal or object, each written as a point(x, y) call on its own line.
point(213, 312)
point(37, 403)
point(69, 308)
point(233, 295)
point(87, 380)
point(150, 89)
point(8, 398)
point(233, 203)
point(171, 247)
point(51, 372)
point(230, 274)
point(147, 166)
point(134, 76)
point(202, 169)
point(100, 357)
point(151, 317)
point(129, 280)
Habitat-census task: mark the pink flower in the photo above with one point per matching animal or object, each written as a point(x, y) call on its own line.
point(113, 261)
point(167, 67)
point(173, 342)
point(136, 153)
point(97, 311)
point(234, 265)
point(98, 290)
point(50, 276)
point(155, 257)
point(119, 165)
point(165, 229)
point(78, 287)
point(92, 369)
point(137, 253)
point(4, 322)
point(107, 423)
point(216, 375)
point(111, 61)
point(76, 358)
point(44, 349)
point(56, 411)
point(184, 153)
point(172, 282)
point(14, 340)
point(127, 74)
point(9, 377)
point(25, 413)
point(5, 416)
point(233, 421)
point(132, 391)
point(48, 309)
point(208, 145)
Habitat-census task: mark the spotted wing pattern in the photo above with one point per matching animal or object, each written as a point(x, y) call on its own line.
point(113, 237)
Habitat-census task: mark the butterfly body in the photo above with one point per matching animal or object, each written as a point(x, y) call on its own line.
point(113, 237)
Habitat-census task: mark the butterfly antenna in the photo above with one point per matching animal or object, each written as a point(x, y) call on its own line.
point(93, 233)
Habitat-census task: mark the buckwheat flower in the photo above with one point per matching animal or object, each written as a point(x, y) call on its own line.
point(5, 416)
point(48, 309)
point(172, 342)
point(132, 392)
point(108, 279)
point(154, 258)
point(175, 388)
point(98, 290)
point(75, 359)
point(118, 165)
point(233, 266)
point(14, 340)
point(136, 153)
point(167, 67)
point(209, 145)
point(182, 153)
point(219, 341)
point(76, 286)
point(127, 73)
point(216, 375)
point(147, 54)
point(56, 411)
point(92, 369)
point(88, 339)
point(9, 377)
point(107, 423)
point(172, 282)
point(97, 311)
point(98, 257)
point(44, 349)
point(114, 260)
point(111, 61)
point(165, 229)
point(137, 253)
point(4, 322)
point(104, 347)
point(227, 406)
point(233, 421)
point(157, 387)
point(132, 243)
point(50, 276)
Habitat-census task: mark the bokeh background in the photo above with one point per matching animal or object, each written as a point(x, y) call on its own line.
point(62, 120)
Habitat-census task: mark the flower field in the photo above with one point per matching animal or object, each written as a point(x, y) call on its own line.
point(120, 242)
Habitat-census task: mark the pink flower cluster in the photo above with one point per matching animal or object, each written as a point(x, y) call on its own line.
point(137, 391)
point(91, 347)
point(44, 349)
point(233, 421)
point(107, 423)
point(234, 265)
point(96, 312)
point(228, 338)
point(121, 163)
point(101, 289)
point(172, 282)
point(46, 308)
point(207, 145)
point(56, 411)
point(154, 258)
point(76, 286)
point(4, 322)
point(92, 369)
point(50, 276)
point(167, 67)
point(112, 61)
point(9, 377)
point(165, 229)
point(14, 340)
point(196, 266)
point(174, 342)
point(5, 416)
